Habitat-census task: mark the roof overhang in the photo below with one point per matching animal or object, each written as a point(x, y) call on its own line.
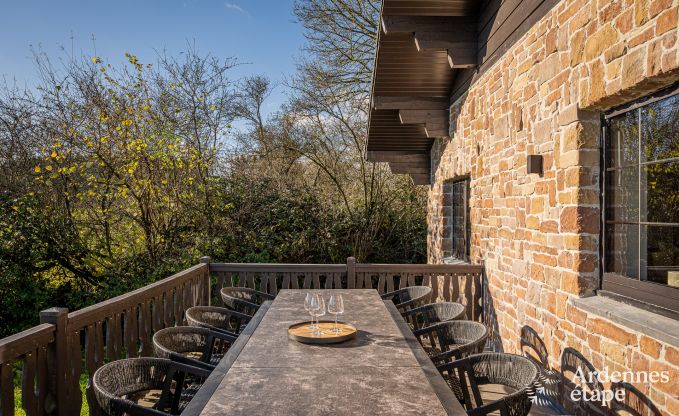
point(420, 46)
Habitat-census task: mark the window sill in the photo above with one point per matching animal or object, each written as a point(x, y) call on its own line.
point(654, 325)
point(454, 260)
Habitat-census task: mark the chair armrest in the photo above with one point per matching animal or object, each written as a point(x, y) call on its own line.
point(225, 336)
point(447, 355)
point(463, 363)
point(178, 358)
point(133, 409)
point(236, 314)
point(488, 408)
point(196, 371)
point(424, 331)
point(221, 331)
point(388, 295)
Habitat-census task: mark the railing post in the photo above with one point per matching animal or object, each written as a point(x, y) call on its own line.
point(351, 272)
point(56, 401)
point(208, 283)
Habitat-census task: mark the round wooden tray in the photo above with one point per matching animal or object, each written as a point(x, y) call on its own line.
point(300, 332)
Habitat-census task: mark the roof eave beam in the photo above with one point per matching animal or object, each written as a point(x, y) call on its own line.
point(410, 103)
point(435, 122)
point(461, 48)
point(437, 24)
point(397, 156)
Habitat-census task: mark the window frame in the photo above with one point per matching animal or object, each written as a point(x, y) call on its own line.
point(662, 299)
point(466, 179)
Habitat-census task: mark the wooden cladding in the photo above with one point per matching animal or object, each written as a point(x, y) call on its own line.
point(500, 24)
point(428, 54)
point(429, 7)
point(419, 44)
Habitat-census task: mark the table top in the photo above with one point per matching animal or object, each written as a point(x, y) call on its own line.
point(382, 371)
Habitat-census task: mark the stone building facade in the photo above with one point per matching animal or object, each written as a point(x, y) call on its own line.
point(538, 236)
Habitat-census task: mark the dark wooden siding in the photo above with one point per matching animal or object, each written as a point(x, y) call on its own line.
point(501, 23)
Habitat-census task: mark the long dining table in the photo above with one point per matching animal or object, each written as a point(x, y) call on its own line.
point(382, 371)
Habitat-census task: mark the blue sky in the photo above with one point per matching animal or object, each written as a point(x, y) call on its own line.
point(262, 33)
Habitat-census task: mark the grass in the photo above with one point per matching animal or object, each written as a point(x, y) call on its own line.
point(19, 411)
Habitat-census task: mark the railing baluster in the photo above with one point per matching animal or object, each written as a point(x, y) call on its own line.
point(315, 278)
point(28, 401)
point(75, 366)
point(6, 389)
point(41, 379)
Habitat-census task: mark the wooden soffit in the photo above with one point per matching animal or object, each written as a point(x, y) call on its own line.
point(420, 47)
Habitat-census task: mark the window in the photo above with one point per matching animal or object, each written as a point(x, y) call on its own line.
point(641, 197)
point(457, 193)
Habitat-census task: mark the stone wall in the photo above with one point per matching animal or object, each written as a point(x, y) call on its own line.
point(538, 236)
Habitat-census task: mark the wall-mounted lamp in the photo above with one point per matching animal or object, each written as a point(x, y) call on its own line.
point(535, 164)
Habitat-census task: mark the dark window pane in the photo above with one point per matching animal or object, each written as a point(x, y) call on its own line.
point(460, 217)
point(622, 250)
point(622, 194)
point(660, 129)
point(662, 254)
point(622, 141)
point(661, 192)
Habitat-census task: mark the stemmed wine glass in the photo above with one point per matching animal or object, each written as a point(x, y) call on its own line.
point(336, 307)
point(307, 307)
point(317, 308)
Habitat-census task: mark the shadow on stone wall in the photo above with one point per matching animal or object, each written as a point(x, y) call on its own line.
point(634, 402)
point(494, 342)
point(547, 387)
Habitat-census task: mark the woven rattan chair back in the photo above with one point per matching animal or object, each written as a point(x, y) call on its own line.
point(119, 384)
point(189, 344)
point(513, 371)
point(409, 298)
point(244, 299)
point(451, 340)
point(217, 319)
point(434, 313)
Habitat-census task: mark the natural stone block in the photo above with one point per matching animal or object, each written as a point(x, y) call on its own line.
point(640, 12)
point(579, 220)
point(666, 21)
point(601, 40)
point(649, 346)
point(633, 67)
point(577, 51)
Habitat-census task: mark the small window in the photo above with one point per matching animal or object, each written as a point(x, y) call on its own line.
point(641, 203)
point(457, 195)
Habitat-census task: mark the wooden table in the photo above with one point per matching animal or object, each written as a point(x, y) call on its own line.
point(383, 371)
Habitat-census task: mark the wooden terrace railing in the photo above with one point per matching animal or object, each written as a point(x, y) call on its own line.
point(50, 358)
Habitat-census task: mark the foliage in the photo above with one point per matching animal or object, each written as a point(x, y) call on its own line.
point(113, 176)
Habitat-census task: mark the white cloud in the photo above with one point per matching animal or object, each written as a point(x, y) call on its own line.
point(234, 6)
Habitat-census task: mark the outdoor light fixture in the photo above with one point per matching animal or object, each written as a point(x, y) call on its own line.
point(534, 164)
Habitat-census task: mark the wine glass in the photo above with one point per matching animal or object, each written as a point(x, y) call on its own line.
point(336, 307)
point(307, 307)
point(318, 310)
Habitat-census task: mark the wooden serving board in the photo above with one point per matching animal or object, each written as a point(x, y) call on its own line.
point(301, 332)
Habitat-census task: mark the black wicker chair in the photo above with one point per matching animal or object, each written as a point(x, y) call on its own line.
point(409, 298)
point(434, 313)
point(244, 299)
point(191, 345)
point(119, 386)
point(450, 340)
point(217, 319)
point(518, 374)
